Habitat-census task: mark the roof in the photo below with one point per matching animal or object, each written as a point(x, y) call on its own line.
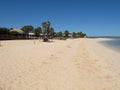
point(18, 30)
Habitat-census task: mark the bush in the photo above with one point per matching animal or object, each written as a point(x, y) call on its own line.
point(4, 30)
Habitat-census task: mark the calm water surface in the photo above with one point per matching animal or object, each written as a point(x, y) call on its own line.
point(115, 43)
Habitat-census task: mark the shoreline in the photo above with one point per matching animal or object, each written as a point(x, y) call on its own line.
point(104, 42)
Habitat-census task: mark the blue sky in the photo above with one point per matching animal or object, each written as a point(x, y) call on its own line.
point(94, 17)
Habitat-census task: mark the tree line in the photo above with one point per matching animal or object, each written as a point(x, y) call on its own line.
point(41, 30)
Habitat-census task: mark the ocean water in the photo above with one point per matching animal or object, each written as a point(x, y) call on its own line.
point(114, 42)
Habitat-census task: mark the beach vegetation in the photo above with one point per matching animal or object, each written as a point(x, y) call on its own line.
point(59, 34)
point(38, 31)
point(81, 34)
point(46, 32)
point(4, 30)
point(66, 33)
point(74, 34)
point(27, 28)
point(51, 32)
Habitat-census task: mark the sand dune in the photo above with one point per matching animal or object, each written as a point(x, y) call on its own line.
point(79, 64)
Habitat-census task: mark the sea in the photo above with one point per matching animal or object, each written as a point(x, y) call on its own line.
point(113, 43)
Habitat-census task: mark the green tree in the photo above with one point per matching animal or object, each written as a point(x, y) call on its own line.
point(44, 26)
point(46, 30)
point(27, 28)
point(48, 27)
point(4, 30)
point(51, 31)
point(37, 31)
point(48, 24)
point(66, 32)
point(60, 34)
point(81, 34)
point(74, 34)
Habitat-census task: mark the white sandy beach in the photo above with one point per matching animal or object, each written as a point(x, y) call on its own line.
point(73, 64)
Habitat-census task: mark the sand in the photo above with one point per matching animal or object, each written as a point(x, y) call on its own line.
point(73, 64)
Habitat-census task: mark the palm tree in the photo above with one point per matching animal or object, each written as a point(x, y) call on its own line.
point(51, 31)
point(48, 27)
point(48, 24)
point(44, 25)
point(46, 30)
